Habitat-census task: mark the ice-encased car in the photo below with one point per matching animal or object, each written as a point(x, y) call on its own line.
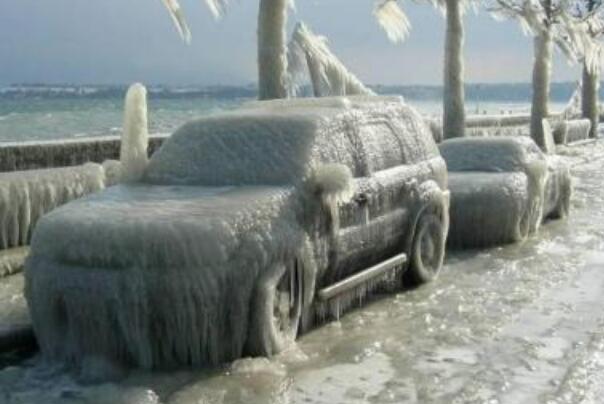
point(502, 188)
point(247, 226)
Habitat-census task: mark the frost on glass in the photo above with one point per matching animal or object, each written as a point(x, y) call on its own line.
point(183, 268)
point(25, 196)
point(501, 189)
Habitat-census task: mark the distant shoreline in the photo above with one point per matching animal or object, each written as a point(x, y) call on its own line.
point(508, 92)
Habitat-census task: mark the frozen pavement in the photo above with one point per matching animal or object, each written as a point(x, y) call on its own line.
point(518, 324)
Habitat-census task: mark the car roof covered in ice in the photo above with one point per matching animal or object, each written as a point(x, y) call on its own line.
point(280, 142)
point(491, 154)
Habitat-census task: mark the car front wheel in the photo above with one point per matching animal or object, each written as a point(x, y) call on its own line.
point(427, 251)
point(278, 311)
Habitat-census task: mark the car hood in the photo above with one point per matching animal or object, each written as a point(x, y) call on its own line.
point(167, 228)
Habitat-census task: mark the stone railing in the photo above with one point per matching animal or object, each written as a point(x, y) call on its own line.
point(64, 153)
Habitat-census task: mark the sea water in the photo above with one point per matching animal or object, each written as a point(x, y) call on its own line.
point(69, 112)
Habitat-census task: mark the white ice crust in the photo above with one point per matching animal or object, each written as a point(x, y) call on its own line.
point(165, 272)
point(135, 139)
point(25, 196)
point(530, 187)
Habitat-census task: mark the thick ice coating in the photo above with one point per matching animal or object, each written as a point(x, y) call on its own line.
point(489, 209)
point(185, 267)
point(27, 195)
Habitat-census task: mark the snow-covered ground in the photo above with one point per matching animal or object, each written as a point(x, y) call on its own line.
point(517, 324)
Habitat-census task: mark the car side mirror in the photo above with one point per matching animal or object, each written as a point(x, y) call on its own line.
point(332, 183)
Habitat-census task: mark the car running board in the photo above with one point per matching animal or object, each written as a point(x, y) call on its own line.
point(362, 277)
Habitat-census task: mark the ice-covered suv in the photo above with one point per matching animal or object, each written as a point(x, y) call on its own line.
point(502, 188)
point(247, 227)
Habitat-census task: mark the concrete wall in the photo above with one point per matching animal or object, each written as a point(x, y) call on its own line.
point(63, 153)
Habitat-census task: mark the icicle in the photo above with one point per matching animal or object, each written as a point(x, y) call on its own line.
point(393, 20)
point(179, 19)
point(135, 139)
point(217, 7)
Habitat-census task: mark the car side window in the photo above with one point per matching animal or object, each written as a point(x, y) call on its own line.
point(381, 148)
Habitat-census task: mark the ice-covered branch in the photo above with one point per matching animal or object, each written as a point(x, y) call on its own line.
point(178, 18)
point(328, 75)
point(392, 19)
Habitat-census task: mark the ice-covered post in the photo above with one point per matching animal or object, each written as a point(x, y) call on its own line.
point(135, 139)
point(454, 115)
point(272, 49)
point(542, 71)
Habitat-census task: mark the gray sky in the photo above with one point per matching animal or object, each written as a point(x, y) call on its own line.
point(120, 41)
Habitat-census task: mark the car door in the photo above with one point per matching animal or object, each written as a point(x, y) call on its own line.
point(371, 224)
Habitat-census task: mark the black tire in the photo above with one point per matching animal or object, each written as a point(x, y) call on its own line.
point(427, 250)
point(279, 309)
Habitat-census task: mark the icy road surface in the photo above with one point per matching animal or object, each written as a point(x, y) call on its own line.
point(520, 324)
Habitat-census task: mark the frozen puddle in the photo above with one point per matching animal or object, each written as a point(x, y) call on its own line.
point(518, 324)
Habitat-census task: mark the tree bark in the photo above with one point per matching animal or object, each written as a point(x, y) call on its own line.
point(454, 116)
point(542, 70)
point(590, 99)
point(272, 49)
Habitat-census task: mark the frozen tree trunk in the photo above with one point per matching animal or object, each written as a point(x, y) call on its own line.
point(590, 99)
point(542, 71)
point(272, 49)
point(454, 111)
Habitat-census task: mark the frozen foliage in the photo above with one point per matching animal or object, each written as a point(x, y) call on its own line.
point(25, 196)
point(179, 19)
point(550, 22)
point(308, 52)
point(186, 267)
point(135, 138)
point(392, 19)
point(530, 186)
point(217, 7)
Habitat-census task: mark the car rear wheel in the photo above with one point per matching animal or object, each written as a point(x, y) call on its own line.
point(427, 251)
point(279, 305)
